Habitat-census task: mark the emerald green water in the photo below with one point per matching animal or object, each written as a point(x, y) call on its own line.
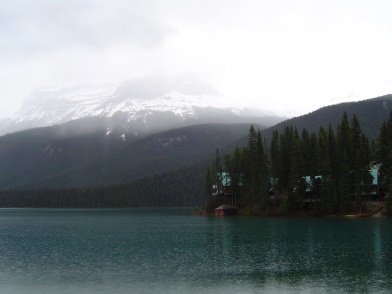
point(171, 251)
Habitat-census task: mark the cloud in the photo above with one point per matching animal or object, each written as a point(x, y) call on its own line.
point(30, 29)
point(298, 53)
point(47, 42)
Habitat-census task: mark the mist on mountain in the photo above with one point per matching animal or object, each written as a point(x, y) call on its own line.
point(155, 102)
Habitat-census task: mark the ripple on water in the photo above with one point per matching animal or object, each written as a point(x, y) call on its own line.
point(153, 252)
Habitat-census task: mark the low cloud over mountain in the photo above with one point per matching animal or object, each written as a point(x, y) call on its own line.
point(155, 102)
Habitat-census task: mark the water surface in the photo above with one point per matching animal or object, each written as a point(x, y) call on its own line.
point(171, 251)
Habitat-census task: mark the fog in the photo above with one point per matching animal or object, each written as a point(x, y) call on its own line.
point(287, 56)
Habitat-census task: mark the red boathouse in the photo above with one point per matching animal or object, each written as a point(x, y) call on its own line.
point(226, 209)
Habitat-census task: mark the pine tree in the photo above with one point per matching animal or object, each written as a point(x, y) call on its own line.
point(218, 163)
point(323, 156)
point(384, 156)
point(210, 177)
point(333, 167)
point(262, 167)
point(313, 156)
point(286, 146)
point(249, 171)
point(306, 151)
point(275, 163)
point(384, 147)
point(323, 202)
point(218, 176)
point(358, 161)
point(296, 185)
point(344, 148)
point(236, 175)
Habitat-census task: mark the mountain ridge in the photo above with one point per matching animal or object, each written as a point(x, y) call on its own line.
point(154, 103)
point(370, 112)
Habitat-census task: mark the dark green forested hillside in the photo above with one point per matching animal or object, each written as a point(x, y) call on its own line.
point(177, 188)
point(371, 114)
point(57, 157)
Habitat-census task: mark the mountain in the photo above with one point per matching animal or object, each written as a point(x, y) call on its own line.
point(371, 114)
point(143, 105)
point(102, 161)
point(57, 156)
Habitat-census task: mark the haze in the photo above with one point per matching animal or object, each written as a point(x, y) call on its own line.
point(290, 57)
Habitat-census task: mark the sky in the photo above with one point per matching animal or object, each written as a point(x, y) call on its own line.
point(287, 56)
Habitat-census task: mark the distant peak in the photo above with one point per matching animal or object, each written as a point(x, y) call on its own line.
point(159, 84)
point(154, 101)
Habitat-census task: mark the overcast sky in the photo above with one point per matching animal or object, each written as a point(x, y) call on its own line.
point(289, 56)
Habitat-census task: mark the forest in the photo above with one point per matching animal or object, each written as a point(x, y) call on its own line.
point(300, 172)
point(159, 190)
point(269, 173)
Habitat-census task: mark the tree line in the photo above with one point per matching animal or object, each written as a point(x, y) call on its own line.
point(158, 190)
point(324, 172)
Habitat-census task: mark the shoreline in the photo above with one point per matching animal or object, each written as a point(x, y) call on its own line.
point(300, 214)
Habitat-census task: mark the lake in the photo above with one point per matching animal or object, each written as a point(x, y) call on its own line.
point(171, 251)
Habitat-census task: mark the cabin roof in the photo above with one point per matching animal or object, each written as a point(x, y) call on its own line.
point(225, 179)
point(309, 182)
point(374, 168)
point(225, 207)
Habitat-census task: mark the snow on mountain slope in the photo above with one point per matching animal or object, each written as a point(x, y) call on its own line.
point(56, 105)
point(183, 96)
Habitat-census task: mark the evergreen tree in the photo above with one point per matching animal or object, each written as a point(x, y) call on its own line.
point(323, 155)
point(218, 163)
point(384, 152)
point(334, 178)
point(344, 188)
point(210, 178)
point(358, 161)
point(256, 176)
point(275, 163)
point(252, 140)
point(306, 151)
point(249, 170)
point(262, 166)
point(344, 147)
point(235, 170)
point(218, 176)
point(296, 186)
point(384, 156)
point(286, 147)
point(326, 191)
point(313, 158)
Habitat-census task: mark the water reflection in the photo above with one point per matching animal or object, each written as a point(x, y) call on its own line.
point(377, 246)
point(155, 252)
point(328, 253)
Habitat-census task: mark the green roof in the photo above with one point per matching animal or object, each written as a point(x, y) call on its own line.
point(225, 179)
point(309, 182)
point(373, 169)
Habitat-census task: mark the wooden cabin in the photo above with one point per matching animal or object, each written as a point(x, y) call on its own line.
point(221, 189)
point(222, 185)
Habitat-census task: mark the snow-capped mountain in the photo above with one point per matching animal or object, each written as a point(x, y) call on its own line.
point(155, 101)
